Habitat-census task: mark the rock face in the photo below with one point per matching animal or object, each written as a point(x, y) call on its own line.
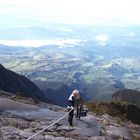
point(20, 124)
point(127, 95)
point(117, 132)
point(18, 84)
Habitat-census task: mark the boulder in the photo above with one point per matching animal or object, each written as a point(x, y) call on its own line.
point(16, 122)
point(100, 138)
point(48, 137)
point(118, 132)
point(9, 132)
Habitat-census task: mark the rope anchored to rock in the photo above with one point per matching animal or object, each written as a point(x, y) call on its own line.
point(49, 125)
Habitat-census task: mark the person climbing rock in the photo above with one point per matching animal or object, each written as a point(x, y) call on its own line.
point(79, 105)
point(71, 105)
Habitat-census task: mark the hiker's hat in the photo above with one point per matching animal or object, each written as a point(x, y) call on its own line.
point(75, 91)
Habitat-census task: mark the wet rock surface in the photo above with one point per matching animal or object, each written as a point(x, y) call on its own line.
point(19, 121)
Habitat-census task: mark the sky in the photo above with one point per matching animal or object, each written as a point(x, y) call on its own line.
point(70, 11)
point(28, 13)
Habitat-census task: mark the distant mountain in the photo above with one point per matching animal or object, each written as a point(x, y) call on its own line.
point(127, 95)
point(117, 70)
point(59, 96)
point(18, 84)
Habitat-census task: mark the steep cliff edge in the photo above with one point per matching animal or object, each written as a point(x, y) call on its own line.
point(19, 84)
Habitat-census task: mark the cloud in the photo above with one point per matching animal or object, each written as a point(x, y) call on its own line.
point(41, 42)
point(81, 10)
point(102, 37)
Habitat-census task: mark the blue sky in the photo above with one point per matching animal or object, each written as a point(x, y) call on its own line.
point(37, 12)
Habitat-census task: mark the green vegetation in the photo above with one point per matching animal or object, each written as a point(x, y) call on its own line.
point(88, 78)
point(122, 110)
point(59, 65)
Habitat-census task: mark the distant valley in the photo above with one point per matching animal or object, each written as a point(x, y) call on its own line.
point(105, 59)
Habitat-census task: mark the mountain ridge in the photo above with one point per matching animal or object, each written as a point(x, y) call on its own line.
point(127, 95)
point(19, 84)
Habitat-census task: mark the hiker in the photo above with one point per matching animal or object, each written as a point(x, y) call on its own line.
point(71, 104)
point(79, 105)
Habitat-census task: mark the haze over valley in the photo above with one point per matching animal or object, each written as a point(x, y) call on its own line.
point(98, 60)
point(89, 45)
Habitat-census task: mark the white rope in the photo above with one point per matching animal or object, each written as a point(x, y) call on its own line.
point(49, 126)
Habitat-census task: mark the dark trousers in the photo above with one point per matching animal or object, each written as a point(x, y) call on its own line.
point(78, 112)
point(70, 118)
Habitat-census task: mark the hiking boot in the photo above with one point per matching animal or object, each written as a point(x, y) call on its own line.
point(70, 125)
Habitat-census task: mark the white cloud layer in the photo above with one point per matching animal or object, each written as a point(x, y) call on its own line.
point(73, 10)
point(40, 42)
point(102, 37)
